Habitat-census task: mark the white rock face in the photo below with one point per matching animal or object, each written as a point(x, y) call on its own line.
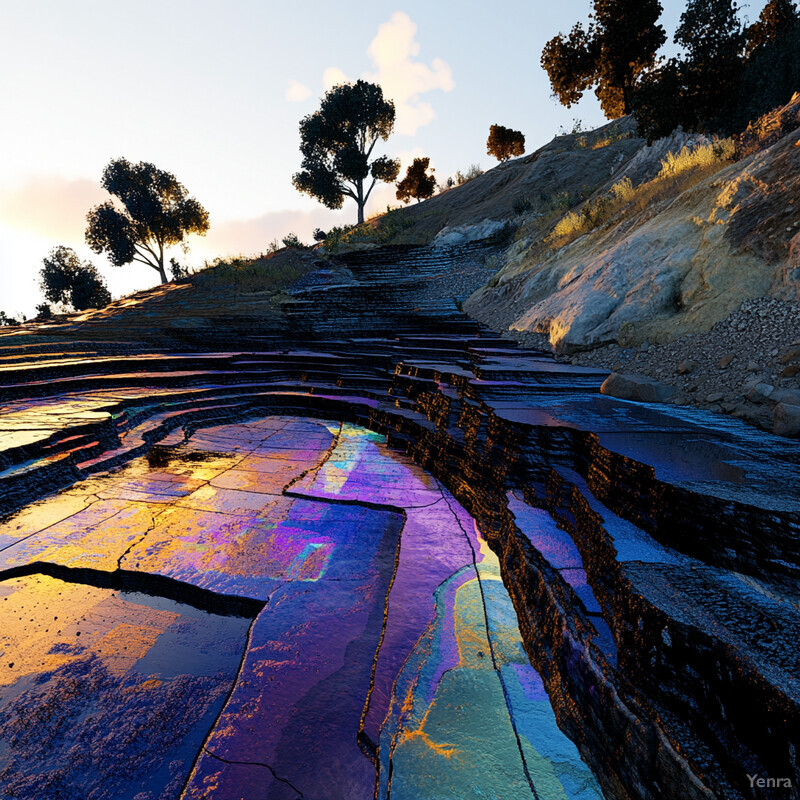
point(676, 264)
point(462, 234)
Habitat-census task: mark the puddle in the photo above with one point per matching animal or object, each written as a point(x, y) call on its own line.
point(107, 694)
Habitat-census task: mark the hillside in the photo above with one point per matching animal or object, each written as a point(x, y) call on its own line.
point(404, 511)
point(419, 542)
point(676, 253)
point(547, 182)
point(600, 252)
point(610, 246)
point(679, 261)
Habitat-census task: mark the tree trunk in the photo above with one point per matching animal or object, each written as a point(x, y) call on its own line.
point(161, 271)
point(627, 94)
point(360, 201)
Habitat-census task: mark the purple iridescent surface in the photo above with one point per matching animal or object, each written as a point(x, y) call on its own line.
point(336, 627)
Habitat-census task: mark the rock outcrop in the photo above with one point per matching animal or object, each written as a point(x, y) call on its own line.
point(636, 387)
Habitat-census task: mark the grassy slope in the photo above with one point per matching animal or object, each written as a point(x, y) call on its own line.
point(251, 288)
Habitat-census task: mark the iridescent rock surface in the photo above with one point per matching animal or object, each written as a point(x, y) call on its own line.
point(386, 652)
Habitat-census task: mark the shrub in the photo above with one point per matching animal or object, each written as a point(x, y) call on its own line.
point(623, 191)
point(379, 230)
point(702, 157)
point(268, 272)
point(611, 138)
point(177, 270)
point(577, 127)
point(522, 205)
point(461, 178)
point(294, 242)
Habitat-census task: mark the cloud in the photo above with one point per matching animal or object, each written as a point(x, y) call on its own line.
point(333, 76)
point(297, 92)
point(403, 79)
point(51, 206)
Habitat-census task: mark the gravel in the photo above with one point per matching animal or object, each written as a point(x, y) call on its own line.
point(745, 365)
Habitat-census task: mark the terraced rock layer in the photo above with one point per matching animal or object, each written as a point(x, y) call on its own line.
point(356, 490)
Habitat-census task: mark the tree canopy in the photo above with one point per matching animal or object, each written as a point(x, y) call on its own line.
point(712, 36)
point(417, 184)
point(337, 141)
point(504, 143)
point(156, 212)
point(64, 278)
point(778, 19)
point(771, 72)
point(619, 44)
point(728, 75)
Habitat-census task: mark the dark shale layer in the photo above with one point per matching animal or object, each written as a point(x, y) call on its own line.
point(669, 650)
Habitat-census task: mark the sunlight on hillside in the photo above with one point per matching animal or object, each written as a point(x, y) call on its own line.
point(678, 173)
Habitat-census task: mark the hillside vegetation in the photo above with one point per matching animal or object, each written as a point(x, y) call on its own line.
point(544, 184)
point(615, 241)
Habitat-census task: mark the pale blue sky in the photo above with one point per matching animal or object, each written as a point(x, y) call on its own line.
point(202, 89)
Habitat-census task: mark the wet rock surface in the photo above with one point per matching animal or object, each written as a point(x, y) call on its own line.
point(374, 550)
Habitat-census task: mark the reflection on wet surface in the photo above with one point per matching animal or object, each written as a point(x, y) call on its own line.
point(386, 652)
point(106, 694)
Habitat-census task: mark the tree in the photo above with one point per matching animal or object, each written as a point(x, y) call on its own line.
point(771, 72)
point(156, 213)
point(337, 142)
point(64, 278)
point(417, 184)
point(619, 44)
point(778, 19)
point(711, 34)
point(700, 90)
point(658, 103)
point(503, 143)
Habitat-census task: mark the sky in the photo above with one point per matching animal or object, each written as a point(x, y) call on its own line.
point(214, 91)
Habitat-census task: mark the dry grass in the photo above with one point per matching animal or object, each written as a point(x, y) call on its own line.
point(379, 229)
point(610, 138)
point(267, 272)
point(678, 173)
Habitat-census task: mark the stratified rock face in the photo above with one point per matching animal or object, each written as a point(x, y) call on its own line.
point(381, 635)
point(384, 553)
point(106, 693)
